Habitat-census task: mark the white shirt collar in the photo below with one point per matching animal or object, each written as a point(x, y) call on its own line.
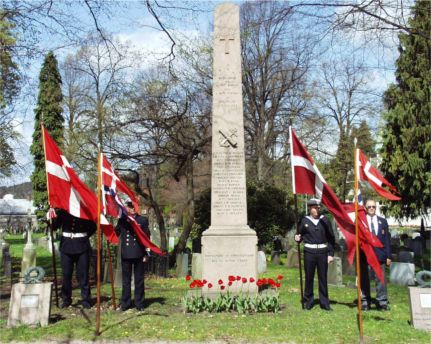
point(315, 221)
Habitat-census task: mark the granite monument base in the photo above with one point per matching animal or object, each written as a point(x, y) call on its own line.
point(229, 255)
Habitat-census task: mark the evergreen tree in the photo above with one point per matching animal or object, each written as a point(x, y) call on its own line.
point(48, 112)
point(340, 168)
point(406, 150)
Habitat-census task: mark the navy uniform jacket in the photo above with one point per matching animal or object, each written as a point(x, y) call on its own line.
point(72, 224)
point(317, 234)
point(385, 238)
point(131, 248)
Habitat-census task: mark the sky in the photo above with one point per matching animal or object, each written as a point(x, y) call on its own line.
point(130, 22)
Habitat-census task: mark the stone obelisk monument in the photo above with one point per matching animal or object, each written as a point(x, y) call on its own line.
point(229, 246)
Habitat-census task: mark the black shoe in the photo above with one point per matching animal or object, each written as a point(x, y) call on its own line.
point(124, 308)
point(383, 308)
point(309, 307)
point(86, 304)
point(65, 304)
point(140, 309)
point(327, 308)
point(365, 308)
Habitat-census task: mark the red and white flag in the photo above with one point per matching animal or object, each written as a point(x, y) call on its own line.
point(66, 191)
point(113, 205)
point(307, 179)
point(374, 177)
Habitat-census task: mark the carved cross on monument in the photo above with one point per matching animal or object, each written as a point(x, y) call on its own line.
point(226, 37)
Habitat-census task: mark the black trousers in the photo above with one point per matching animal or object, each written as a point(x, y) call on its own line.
point(137, 266)
point(82, 262)
point(367, 275)
point(311, 262)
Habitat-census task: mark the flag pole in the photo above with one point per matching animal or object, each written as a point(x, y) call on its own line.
point(299, 252)
point(54, 264)
point(358, 268)
point(296, 214)
point(108, 247)
point(98, 244)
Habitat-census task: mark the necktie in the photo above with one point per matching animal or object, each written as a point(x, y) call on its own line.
point(373, 229)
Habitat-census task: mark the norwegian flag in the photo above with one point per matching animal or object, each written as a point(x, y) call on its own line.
point(66, 191)
point(373, 176)
point(307, 179)
point(113, 205)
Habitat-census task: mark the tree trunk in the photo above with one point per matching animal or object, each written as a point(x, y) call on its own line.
point(182, 242)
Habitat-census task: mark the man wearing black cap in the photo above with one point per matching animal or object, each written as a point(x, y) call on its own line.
point(133, 254)
point(316, 233)
point(75, 249)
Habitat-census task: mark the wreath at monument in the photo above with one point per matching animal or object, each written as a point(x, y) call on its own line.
point(33, 275)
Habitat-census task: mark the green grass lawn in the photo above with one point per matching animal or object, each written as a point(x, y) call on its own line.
point(164, 319)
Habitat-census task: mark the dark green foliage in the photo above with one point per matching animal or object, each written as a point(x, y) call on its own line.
point(267, 209)
point(48, 112)
point(406, 150)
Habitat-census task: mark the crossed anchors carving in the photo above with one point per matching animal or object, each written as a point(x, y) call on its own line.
point(228, 140)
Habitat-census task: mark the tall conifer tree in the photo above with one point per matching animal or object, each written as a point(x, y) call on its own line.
point(49, 112)
point(406, 150)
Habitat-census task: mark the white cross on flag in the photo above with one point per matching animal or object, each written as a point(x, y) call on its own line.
point(374, 177)
point(307, 179)
point(113, 205)
point(66, 191)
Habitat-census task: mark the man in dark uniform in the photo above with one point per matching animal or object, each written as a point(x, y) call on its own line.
point(75, 248)
point(378, 227)
point(316, 233)
point(133, 254)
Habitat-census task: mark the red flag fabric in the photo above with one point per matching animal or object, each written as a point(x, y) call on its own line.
point(307, 179)
point(66, 191)
point(374, 177)
point(113, 205)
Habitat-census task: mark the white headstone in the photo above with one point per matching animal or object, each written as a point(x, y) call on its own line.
point(261, 262)
point(402, 273)
point(229, 246)
point(30, 304)
point(420, 307)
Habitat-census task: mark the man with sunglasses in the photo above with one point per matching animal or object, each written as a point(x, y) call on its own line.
point(316, 232)
point(378, 227)
point(133, 255)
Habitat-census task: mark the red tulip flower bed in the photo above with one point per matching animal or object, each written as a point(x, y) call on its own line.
point(267, 300)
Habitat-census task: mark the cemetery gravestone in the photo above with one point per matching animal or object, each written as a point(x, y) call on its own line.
point(30, 303)
point(182, 263)
point(229, 246)
point(335, 272)
point(197, 266)
point(420, 307)
point(29, 254)
point(261, 262)
point(402, 273)
point(292, 258)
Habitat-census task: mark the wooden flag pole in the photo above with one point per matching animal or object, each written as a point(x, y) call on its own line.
point(54, 264)
point(358, 268)
point(98, 244)
point(299, 252)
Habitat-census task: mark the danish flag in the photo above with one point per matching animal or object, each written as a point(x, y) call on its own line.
point(307, 179)
point(373, 177)
point(66, 191)
point(113, 205)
